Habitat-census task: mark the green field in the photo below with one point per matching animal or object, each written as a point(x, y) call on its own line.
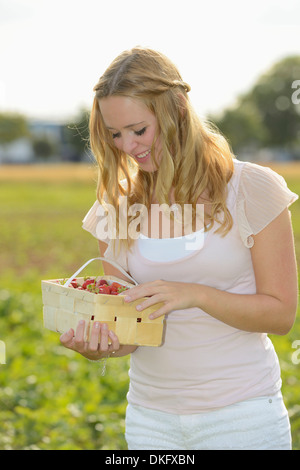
point(50, 397)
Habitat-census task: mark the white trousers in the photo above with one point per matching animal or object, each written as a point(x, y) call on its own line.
point(257, 424)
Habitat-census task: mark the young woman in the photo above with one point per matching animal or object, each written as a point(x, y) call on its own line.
point(215, 381)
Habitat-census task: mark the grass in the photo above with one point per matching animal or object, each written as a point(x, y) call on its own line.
point(52, 398)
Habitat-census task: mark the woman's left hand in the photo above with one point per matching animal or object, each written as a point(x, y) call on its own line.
point(174, 296)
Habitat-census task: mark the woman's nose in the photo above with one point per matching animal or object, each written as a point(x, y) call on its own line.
point(129, 144)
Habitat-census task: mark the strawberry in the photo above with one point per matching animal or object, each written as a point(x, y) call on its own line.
point(101, 282)
point(115, 285)
point(104, 289)
point(113, 288)
point(88, 282)
point(74, 283)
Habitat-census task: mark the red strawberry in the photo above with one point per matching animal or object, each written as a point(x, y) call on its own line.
point(74, 283)
point(104, 289)
point(87, 282)
point(116, 285)
point(102, 282)
point(113, 288)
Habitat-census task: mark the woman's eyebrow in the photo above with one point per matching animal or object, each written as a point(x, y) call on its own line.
point(126, 127)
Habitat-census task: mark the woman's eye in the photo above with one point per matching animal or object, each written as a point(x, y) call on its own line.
point(115, 136)
point(141, 132)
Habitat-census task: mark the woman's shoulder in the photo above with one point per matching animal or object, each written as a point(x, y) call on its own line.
point(261, 195)
point(251, 169)
point(246, 168)
point(259, 181)
point(252, 177)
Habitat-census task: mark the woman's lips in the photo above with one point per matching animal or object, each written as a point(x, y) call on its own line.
point(143, 156)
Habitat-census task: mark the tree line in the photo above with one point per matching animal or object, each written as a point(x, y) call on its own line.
point(268, 115)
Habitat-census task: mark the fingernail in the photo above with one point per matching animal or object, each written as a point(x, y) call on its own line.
point(97, 324)
point(127, 298)
point(139, 307)
point(81, 322)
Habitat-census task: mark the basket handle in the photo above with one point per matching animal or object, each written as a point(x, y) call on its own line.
point(102, 259)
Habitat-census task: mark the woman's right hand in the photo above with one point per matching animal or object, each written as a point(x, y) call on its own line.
point(98, 347)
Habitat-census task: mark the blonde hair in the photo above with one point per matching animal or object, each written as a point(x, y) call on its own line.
point(195, 156)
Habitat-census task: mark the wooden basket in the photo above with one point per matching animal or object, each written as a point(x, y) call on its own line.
point(64, 306)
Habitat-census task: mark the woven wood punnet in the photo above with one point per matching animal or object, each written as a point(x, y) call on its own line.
point(64, 306)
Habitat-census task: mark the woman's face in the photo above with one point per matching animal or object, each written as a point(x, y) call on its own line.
point(133, 128)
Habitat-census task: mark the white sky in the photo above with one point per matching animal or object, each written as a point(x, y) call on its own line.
point(52, 52)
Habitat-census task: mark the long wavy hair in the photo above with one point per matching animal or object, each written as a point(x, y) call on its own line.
point(195, 156)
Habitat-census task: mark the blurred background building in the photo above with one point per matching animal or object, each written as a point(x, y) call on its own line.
point(28, 141)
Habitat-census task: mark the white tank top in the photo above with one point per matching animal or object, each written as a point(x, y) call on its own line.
point(170, 249)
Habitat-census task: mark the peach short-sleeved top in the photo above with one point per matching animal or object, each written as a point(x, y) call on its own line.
point(204, 364)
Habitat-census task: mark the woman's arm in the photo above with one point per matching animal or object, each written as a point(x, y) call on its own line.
point(271, 310)
point(108, 269)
